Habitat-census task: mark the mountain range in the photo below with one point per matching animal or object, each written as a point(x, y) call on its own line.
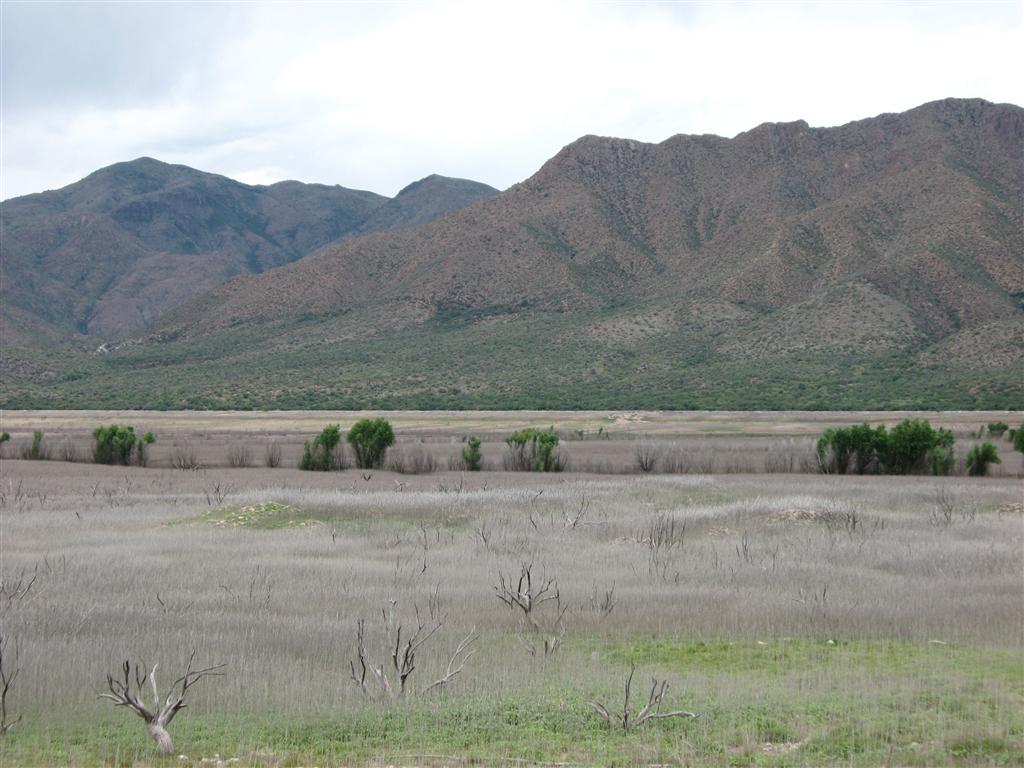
point(110, 254)
point(871, 265)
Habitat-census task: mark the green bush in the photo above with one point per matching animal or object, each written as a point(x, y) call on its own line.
point(320, 456)
point(471, 455)
point(533, 450)
point(997, 428)
point(1018, 438)
point(370, 440)
point(912, 445)
point(979, 458)
point(113, 444)
point(842, 449)
point(4, 437)
point(116, 444)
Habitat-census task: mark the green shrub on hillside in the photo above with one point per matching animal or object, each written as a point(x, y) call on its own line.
point(320, 456)
point(370, 440)
point(533, 450)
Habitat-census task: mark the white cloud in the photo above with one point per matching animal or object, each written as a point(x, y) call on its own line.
point(374, 96)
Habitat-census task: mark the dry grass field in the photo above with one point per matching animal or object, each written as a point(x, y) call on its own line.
point(806, 619)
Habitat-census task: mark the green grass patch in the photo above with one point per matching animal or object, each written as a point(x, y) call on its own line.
point(268, 516)
point(784, 703)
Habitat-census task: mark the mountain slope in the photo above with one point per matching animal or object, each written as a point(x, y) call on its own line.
point(920, 208)
point(112, 252)
point(875, 264)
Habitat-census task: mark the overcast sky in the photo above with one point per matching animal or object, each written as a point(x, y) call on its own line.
point(376, 95)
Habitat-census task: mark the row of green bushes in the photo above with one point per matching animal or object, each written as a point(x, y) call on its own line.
point(912, 446)
point(530, 450)
point(113, 444)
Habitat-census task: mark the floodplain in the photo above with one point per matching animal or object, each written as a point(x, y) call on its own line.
point(804, 619)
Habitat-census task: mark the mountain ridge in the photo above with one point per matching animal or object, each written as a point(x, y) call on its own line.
point(112, 252)
point(874, 264)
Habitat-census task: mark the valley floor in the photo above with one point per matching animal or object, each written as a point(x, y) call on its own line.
point(807, 619)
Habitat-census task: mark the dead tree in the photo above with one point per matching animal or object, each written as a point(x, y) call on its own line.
point(528, 597)
point(524, 595)
point(402, 656)
point(651, 710)
point(7, 677)
point(124, 694)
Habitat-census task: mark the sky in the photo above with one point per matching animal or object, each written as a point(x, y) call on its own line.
point(376, 95)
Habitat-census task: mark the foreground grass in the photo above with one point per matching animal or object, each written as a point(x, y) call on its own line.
point(767, 703)
point(810, 620)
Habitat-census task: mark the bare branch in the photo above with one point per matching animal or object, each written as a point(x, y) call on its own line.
point(650, 711)
point(7, 678)
point(463, 653)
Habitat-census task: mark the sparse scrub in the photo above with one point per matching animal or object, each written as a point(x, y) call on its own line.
point(646, 457)
point(67, 451)
point(272, 455)
point(411, 461)
point(239, 455)
point(183, 456)
point(370, 440)
point(37, 450)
